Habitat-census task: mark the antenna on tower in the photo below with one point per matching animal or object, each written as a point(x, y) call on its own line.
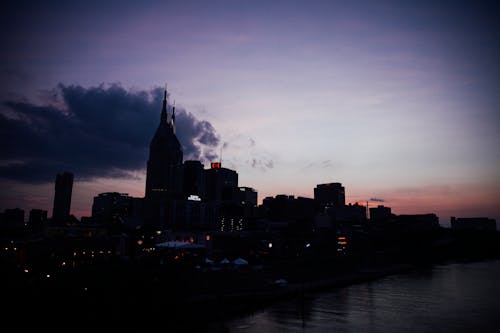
point(173, 117)
point(164, 117)
point(220, 156)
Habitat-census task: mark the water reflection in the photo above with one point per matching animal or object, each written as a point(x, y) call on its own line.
point(454, 297)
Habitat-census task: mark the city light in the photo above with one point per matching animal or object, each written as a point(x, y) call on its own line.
point(193, 197)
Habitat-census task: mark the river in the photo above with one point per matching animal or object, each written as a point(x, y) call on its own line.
point(455, 297)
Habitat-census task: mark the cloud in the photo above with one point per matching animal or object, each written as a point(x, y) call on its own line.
point(317, 165)
point(262, 163)
point(101, 131)
point(198, 138)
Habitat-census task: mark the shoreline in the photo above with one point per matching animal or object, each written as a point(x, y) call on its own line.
point(230, 305)
point(138, 296)
point(233, 305)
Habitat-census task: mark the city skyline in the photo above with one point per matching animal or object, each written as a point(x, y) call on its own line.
point(394, 102)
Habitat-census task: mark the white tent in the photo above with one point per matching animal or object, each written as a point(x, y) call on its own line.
point(180, 245)
point(224, 261)
point(240, 262)
point(281, 282)
point(208, 261)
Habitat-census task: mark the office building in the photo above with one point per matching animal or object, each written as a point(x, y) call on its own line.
point(62, 197)
point(329, 195)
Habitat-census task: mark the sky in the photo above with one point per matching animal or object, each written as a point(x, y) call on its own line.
point(396, 100)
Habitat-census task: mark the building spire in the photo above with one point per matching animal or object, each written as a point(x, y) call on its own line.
point(164, 109)
point(173, 117)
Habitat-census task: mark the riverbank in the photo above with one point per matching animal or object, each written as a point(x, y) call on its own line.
point(140, 294)
point(213, 309)
point(458, 296)
point(223, 306)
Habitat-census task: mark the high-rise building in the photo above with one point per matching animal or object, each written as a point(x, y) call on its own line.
point(164, 171)
point(111, 207)
point(193, 179)
point(62, 197)
point(329, 195)
point(165, 158)
point(222, 183)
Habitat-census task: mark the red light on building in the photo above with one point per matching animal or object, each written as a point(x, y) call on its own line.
point(215, 165)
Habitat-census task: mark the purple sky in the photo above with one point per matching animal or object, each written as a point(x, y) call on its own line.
point(395, 100)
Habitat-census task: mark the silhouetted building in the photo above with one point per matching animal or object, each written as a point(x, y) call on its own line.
point(353, 214)
point(221, 183)
point(380, 214)
point(164, 170)
point(110, 207)
point(418, 222)
point(473, 223)
point(247, 196)
point(62, 197)
point(165, 158)
point(13, 218)
point(37, 220)
point(329, 195)
point(224, 212)
point(190, 214)
point(286, 207)
point(193, 179)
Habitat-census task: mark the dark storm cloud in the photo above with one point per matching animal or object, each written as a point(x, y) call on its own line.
point(193, 134)
point(93, 132)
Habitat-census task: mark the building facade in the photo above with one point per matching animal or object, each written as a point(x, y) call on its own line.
point(62, 197)
point(329, 195)
point(164, 171)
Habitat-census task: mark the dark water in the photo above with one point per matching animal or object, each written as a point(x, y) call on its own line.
point(446, 298)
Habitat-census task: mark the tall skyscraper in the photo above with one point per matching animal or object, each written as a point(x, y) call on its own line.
point(62, 197)
point(164, 171)
point(329, 195)
point(165, 158)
